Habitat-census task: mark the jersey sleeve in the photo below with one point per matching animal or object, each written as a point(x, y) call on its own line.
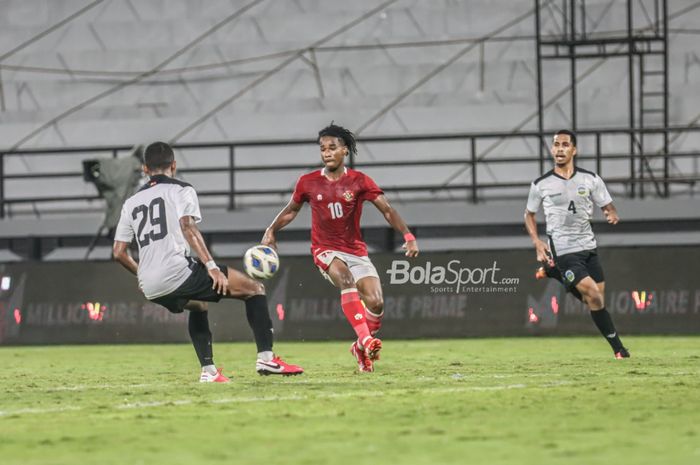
point(370, 191)
point(600, 193)
point(534, 199)
point(187, 204)
point(124, 231)
point(300, 195)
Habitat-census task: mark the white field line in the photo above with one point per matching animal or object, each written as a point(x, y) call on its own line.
point(237, 400)
point(464, 376)
point(287, 398)
point(86, 387)
point(25, 411)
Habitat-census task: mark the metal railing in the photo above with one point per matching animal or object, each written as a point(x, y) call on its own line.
point(640, 172)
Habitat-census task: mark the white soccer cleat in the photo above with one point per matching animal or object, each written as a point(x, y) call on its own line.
point(207, 377)
point(277, 366)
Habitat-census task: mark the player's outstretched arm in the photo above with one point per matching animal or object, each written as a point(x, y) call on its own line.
point(283, 218)
point(610, 213)
point(120, 252)
point(394, 219)
point(541, 247)
point(196, 241)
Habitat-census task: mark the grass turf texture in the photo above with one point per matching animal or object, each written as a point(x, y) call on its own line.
point(497, 401)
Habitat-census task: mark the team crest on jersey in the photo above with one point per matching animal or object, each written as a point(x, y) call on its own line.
point(570, 276)
point(319, 197)
point(348, 196)
point(582, 191)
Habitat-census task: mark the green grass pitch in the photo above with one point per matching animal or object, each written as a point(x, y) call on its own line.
point(473, 401)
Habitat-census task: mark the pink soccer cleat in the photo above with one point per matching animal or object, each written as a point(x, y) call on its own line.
point(364, 364)
point(207, 377)
point(277, 366)
point(541, 273)
point(372, 347)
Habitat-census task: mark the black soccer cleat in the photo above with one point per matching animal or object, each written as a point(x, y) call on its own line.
point(622, 353)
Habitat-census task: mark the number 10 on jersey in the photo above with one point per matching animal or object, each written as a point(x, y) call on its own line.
point(336, 209)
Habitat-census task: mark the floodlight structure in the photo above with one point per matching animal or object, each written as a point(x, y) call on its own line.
point(637, 31)
point(116, 180)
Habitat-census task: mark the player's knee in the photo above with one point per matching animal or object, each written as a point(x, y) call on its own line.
point(375, 303)
point(248, 287)
point(256, 288)
point(593, 297)
point(196, 306)
point(596, 300)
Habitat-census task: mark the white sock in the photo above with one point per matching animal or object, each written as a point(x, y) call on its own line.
point(265, 356)
point(361, 344)
point(376, 315)
point(209, 369)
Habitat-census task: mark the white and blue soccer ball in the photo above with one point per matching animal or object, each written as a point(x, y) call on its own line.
point(261, 262)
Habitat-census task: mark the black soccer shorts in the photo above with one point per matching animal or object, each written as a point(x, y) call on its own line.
point(578, 265)
point(198, 286)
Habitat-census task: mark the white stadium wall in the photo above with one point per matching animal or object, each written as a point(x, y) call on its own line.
point(491, 87)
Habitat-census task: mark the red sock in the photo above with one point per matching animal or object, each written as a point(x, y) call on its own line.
point(355, 312)
point(374, 321)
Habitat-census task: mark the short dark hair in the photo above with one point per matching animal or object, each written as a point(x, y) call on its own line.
point(158, 156)
point(566, 132)
point(345, 135)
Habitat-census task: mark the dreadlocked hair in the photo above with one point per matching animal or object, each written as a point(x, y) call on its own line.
point(333, 130)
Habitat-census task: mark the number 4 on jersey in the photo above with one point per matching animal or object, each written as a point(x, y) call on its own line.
point(572, 207)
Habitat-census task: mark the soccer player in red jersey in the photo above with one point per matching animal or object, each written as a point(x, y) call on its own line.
point(336, 194)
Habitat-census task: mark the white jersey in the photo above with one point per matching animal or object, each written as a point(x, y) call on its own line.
point(568, 208)
point(153, 216)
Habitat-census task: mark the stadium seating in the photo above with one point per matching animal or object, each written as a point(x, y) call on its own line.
point(489, 88)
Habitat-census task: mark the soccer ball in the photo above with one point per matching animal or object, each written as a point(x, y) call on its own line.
point(261, 262)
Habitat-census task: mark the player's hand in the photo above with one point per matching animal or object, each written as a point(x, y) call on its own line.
point(220, 284)
point(269, 240)
point(411, 248)
point(611, 217)
point(544, 255)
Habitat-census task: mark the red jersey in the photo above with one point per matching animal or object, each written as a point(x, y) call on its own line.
point(336, 207)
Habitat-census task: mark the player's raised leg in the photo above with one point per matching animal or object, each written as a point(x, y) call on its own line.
point(549, 269)
point(355, 313)
point(593, 294)
point(252, 292)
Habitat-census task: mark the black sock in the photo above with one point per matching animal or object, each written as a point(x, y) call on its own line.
point(259, 321)
point(201, 337)
point(602, 320)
